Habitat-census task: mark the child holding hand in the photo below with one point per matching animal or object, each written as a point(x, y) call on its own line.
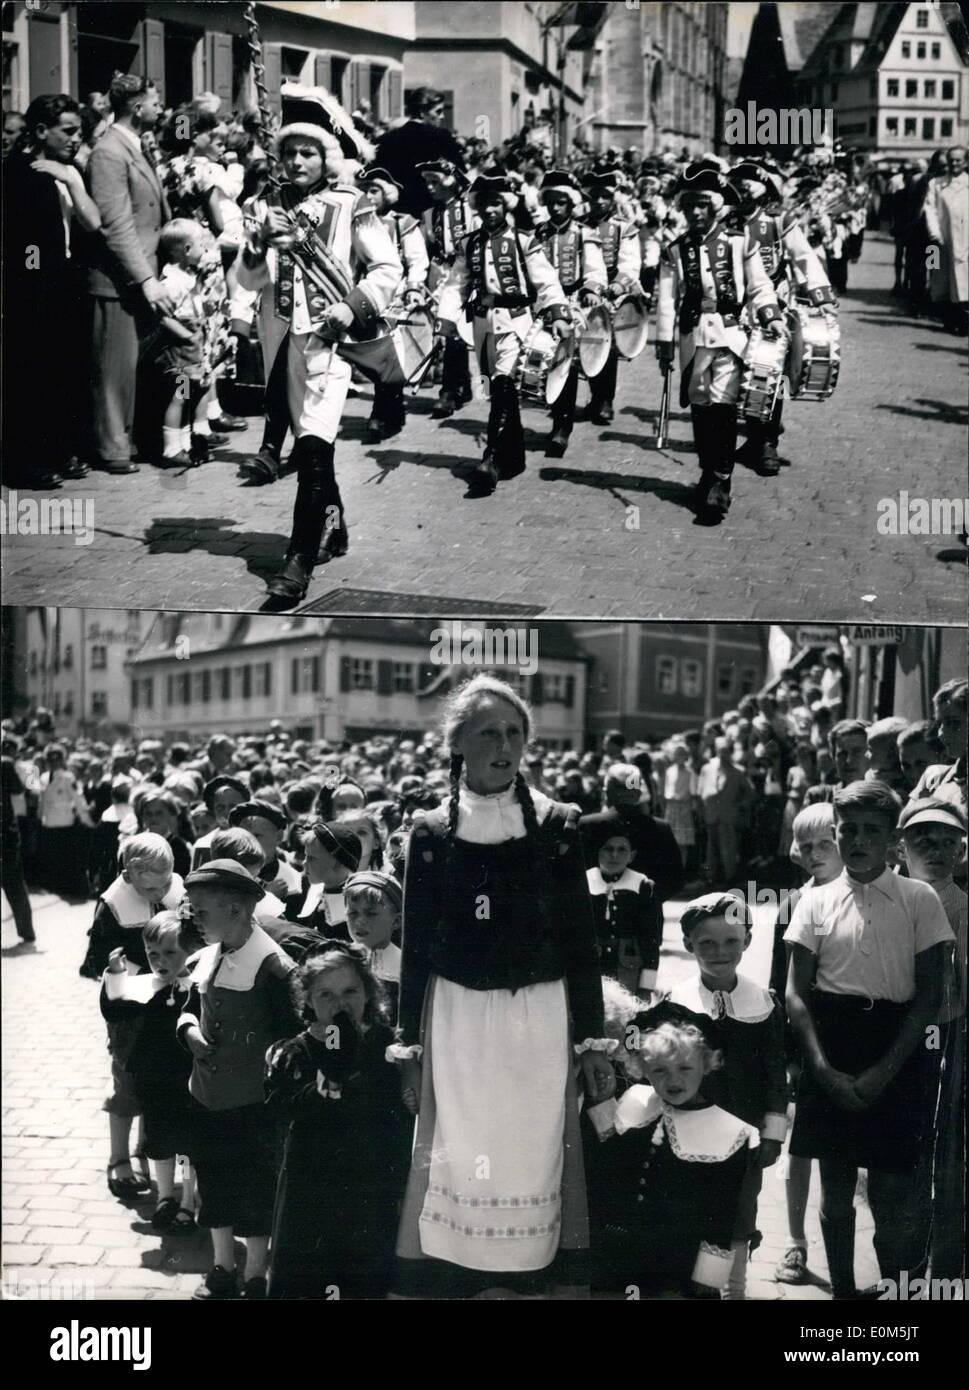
point(373, 905)
point(673, 1177)
point(348, 1143)
point(158, 1067)
point(146, 885)
point(753, 1083)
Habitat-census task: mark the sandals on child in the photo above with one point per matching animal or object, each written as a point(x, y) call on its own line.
point(171, 1219)
point(129, 1188)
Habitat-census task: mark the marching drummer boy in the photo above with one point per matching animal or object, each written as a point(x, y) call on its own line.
point(502, 278)
point(795, 270)
point(336, 270)
point(621, 251)
point(707, 277)
point(575, 254)
point(446, 223)
point(388, 414)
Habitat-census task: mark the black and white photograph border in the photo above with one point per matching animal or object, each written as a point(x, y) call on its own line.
point(313, 764)
point(846, 499)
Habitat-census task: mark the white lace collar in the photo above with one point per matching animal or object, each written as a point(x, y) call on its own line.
point(627, 880)
point(130, 908)
point(709, 1135)
point(747, 1001)
point(235, 970)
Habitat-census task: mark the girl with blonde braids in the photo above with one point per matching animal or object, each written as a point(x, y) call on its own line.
point(500, 992)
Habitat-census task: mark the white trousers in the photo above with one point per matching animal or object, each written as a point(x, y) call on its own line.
point(317, 382)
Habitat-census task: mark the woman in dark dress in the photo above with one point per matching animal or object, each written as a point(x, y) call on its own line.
point(348, 1142)
point(500, 1011)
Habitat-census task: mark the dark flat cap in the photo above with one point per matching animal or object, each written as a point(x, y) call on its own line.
point(228, 876)
point(341, 842)
point(224, 780)
point(265, 809)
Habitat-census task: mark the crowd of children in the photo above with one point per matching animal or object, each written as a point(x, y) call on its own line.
point(251, 1005)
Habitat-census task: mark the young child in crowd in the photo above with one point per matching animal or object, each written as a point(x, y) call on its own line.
point(158, 1067)
point(753, 1083)
point(373, 905)
point(628, 918)
point(364, 826)
point(666, 1211)
point(332, 855)
point(145, 885)
point(269, 823)
point(220, 795)
point(933, 837)
point(883, 760)
point(162, 814)
point(241, 1001)
point(243, 847)
point(348, 1146)
point(868, 956)
point(816, 854)
point(172, 352)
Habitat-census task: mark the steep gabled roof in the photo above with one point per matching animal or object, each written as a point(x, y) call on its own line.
point(802, 27)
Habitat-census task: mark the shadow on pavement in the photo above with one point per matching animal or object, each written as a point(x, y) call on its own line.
point(618, 483)
point(263, 551)
point(941, 412)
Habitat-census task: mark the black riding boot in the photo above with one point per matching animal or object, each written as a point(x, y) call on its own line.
point(563, 416)
point(318, 508)
point(509, 446)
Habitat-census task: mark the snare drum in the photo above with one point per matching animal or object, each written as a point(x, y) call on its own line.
point(630, 325)
point(814, 360)
point(543, 366)
point(763, 375)
point(413, 335)
point(593, 335)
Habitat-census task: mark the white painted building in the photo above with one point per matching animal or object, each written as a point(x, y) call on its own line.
point(74, 665)
point(335, 678)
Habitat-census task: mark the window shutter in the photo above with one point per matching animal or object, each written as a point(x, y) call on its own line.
point(570, 691)
point(134, 694)
point(218, 65)
point(385, 677)
point(345, 673)
point(273, 62)
point(536, 692)
point(394, 94)
point(294, 676)
point(153, 52)
point(323, 71)
point(354, 87)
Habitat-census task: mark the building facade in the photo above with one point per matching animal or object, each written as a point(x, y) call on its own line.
point(354, 49)
point(655, 679)
point(74, 665)
point(658, 77)
point(505, 68)
point(895, 76)
point(337, 678)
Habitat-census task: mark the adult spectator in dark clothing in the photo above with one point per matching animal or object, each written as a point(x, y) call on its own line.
point(46, 211)
point(657, 854)
point(12, 865)
point(419, 140)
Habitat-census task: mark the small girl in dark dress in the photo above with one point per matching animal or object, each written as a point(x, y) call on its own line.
point(348, 1145)
point(158, 1066)
point(670, 1182)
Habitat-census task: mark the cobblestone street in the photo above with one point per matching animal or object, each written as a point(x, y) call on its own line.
point(65, 1237)
point(559, 539)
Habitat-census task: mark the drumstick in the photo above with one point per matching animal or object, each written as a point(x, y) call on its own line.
point(664, 411)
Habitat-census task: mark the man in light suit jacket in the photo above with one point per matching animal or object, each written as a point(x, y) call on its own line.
point(726, 797)
point(123, 277)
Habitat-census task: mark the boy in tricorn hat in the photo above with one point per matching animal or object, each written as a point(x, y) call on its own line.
point(383, 190)
point(446, 223)
point(502, 278)
point(795, 270)
point(336, 271)
point(623, 259)
point(575, 254)
point(707, 277)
